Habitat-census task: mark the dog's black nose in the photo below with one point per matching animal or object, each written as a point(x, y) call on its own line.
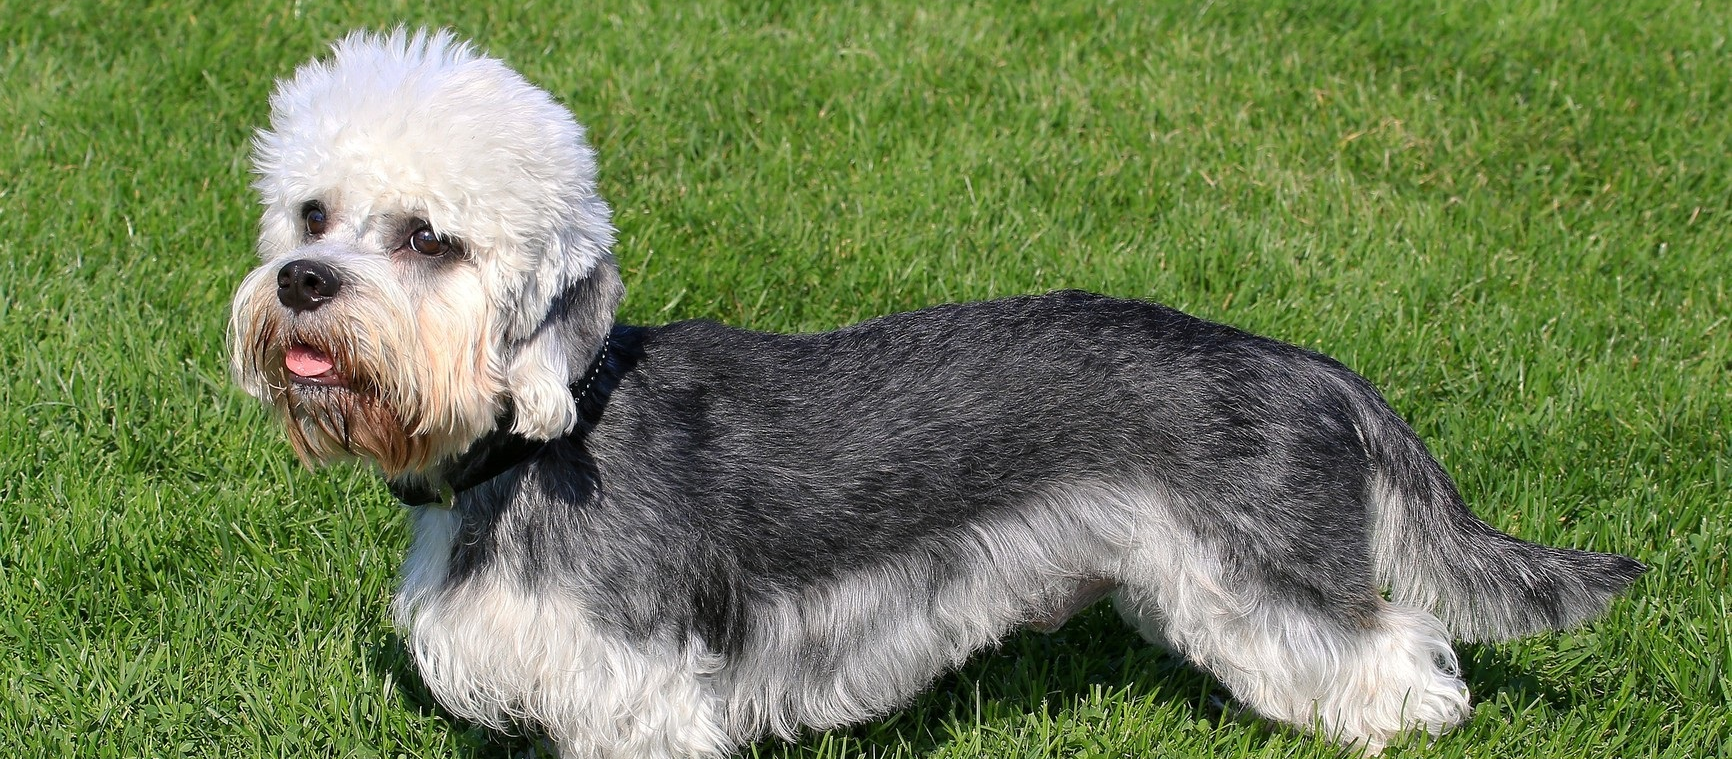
point(304, 285)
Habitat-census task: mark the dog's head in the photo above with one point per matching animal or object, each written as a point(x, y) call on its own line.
point(433, 255)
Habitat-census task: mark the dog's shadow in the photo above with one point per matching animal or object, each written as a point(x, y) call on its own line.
point(1074, 675)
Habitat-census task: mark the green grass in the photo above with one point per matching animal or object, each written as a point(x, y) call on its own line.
point(1515, 217)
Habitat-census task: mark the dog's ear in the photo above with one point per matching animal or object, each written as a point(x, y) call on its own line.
point(559, 351)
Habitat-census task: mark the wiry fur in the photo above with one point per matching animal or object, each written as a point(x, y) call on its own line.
point(762, 533)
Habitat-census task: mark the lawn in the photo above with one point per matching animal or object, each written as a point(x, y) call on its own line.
point(1515, 217)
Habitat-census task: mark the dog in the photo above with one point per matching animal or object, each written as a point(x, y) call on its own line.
point(672, 541)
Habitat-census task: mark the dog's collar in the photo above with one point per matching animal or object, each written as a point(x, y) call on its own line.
point(501, 450)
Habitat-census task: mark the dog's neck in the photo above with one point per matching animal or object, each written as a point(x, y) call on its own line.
point(502, 449)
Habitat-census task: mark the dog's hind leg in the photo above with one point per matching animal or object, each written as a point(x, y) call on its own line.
point(1348, 664)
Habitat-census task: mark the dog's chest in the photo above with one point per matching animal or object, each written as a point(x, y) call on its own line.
point(497, 653)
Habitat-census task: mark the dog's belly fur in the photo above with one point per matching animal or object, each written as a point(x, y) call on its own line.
point(823, 523)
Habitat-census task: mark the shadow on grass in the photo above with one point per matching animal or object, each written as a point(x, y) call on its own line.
point(1492, 674)
point(1030, 674)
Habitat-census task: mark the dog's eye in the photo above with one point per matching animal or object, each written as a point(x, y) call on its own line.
point(427, 243)
point(313, 215)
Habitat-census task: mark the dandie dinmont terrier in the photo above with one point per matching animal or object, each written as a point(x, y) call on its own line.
point(668, 541)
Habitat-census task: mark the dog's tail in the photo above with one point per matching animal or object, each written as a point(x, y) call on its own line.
point(1433, 553)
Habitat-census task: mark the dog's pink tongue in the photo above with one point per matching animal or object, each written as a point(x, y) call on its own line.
point(306, 361)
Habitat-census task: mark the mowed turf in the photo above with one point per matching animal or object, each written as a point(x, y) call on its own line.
point(1515, 217)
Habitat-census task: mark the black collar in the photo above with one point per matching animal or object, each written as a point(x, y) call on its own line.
point(500, 450)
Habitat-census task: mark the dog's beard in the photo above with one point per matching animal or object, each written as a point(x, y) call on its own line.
point(345, 412)
point(330, 423)
point(383, 395)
